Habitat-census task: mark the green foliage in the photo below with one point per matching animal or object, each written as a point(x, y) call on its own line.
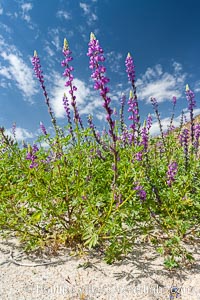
point(82, 192)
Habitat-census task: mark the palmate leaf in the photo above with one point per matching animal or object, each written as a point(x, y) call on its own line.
point(91, 241)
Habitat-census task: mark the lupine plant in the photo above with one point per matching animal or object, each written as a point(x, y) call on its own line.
point(104, 190)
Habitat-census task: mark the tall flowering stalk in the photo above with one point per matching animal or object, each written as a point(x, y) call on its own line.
point(14, 130)
point(43, 129)
point(197, 136)
point(123, 100)
point(31, 155)
point(145, 132)
point(184, 139)
point(67, 110)
point(171, 172)
point(173, 109)
point(155, 107)
point(144, 139)
point(69, 83)
point(130, 70)
point(140, 191)
point(190, 96)
point(39, 74)
point(95, 53)
point(133, 108)
point(95, 134)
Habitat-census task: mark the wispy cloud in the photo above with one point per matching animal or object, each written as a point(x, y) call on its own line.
point(54, 36)
point(6, 28)
point(176, 121)
point(85, 7)
point(21, 133)
point(197, 86)
point(16, 71)
point(91, 16)
point(1, 10)
point(114, 60)
point(62, 14)
point(161, 85)
point(26, 7)
point(88, 101)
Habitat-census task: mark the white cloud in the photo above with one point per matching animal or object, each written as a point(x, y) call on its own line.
point(5, 28)
point(91, 16)
point(21, 133)
point(88, 102)
point(26, 7)
point(16, 71)
point(114, 60)
point(176, 121)
point(49, 51)
point(21, 73)
point(161, 85)
point(63, 14)
point(5, 72)
point(197, 86)
point(54, 36)
point(85, 8)
point(155, 129)
point(1, 11)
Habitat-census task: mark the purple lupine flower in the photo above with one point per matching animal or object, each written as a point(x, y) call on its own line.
point(69, 83)
point(174, 100)
point(67, 110)
point(149, 122)
point(91, 125)
point(14, 130)
point(171, 127)
point(171, 172)
point(39, 74)
point(123, 100)
point(95, 52)
point(154, 103)
point(184, 137)
point(133, 108)
point(125, 136)
point(197, 136)
point(31, 156)
point(144, 137)
point(42, 127)
point(138, 156)
point(130, 68)
point(140, 191)
point(197, 131)
point(190, 96)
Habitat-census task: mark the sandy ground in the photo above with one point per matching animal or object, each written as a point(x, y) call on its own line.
point(139, 276)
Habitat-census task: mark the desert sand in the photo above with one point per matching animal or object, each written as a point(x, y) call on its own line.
point(140, 275)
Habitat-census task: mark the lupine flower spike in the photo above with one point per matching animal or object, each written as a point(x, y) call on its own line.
point(184, 138)
point(123, 100)
point(171, 172)
point(130, 70)
point(171, 127)
point(95, 52)
point(67, 110)
point(38, 73)
point(69, 83)
point(191, 105)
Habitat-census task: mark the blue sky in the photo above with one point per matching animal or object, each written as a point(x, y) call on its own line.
point(162, 36)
